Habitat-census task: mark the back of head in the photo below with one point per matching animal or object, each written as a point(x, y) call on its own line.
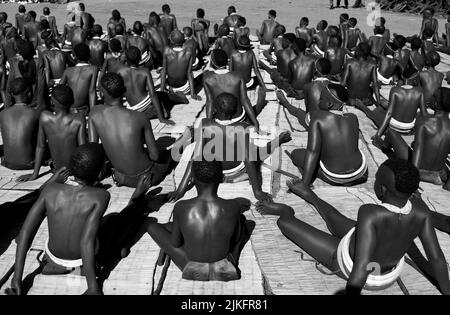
point(62, 96)
point(279, 30)
point(18, 86)
point(86, 162)
point(399, 41)
point(337, 95)
point(363, 50)
point(22, 9)
point(200, 13)
point(113, 84)
point(427, 33)
point(118, 29)
point(115, 45)
point(344, 17)
point(335, 41)
point(166, 8)
point(323, 66)
point(224, 30)
point(381, 21)
point(32, 14)
point(289, 38)
point(273, 14)
point(322, 25)
point(231, 9)
point(188, 31)
point(299, 45)
point(226, 105)
point(116, 15)
point(154, 19)
point(97, 30)
point(406, 177)
point(416, 43)
point(304, 22)
point(219, 58)
point(82, 52)
point(133, 55)
point(333, 30)
point(26, 49)
point(177, 38)
point(432, 59)
point(379, 30)
point(46, 11)
point(444, 99)
point(242, 21)
point(3, 17)
point(49, 40)
point(352, 22)
point(44, 25)
point(205, 172)
point(81, 7)
point(243, 43)
point(138, 28)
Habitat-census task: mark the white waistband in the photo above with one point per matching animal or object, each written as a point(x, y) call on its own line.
point(402, 127)
point(196, 62)
point(382, 79)
point(142, 105)
point(318, 50)
point(373, 281)
point(234, 170)
point(346, 176)
point(250, 83)
point(186, 88)
point(232, 121)
point(63, 262)
point(145, 58)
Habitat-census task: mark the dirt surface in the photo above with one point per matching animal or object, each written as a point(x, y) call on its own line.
point(289, 12)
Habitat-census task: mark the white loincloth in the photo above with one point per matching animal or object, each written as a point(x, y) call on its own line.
point(317, 50)
point(142, 106)
point(374, 282)
point(249, 84)
point(383, 80)
point(402, 127)
point(231, 121)
point(69, 264)
point(146, 56)
point(185, 89)
point(345, 178)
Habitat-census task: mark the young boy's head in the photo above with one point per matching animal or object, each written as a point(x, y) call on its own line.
point(416, 43)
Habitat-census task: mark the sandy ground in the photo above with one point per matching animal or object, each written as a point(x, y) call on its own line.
point(289, 12)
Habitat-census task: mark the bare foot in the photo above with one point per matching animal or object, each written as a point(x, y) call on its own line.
point(145, 182)
point(299, 188)
point(284, 137)
point(271, 208)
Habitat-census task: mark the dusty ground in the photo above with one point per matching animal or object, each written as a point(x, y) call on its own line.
point(289, 12)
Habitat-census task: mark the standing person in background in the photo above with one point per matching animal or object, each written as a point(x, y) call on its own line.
point(168, 21)
point(51, 21)
point(338, 4)
point(265, 34)
point(20, 19)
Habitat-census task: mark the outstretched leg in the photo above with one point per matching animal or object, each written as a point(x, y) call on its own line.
point(318, 244)
point(162, 235)
point(261, 101)
point(297, 112)
point(338, 224)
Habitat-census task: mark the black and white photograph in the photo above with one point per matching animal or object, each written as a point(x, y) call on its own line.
point(224, 153)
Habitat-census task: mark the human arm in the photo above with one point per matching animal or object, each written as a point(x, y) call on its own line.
point(93, 135)
point(376, 87)
point(155, 100)
point(245, 101)
point(258, 73)
point(152, 148)
point(387, 118)
point(81, 136)
point(190, 76)
point(164, 72)
point(176, 236)
point(93, 89)
point(436, 258)
point(87, 244)
point(209, 100)
point(365, 236)
point(27, 233)
point(419, 142)
point(312, 150)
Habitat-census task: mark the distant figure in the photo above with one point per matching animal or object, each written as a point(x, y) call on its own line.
point(265, 34)
point(51, 21)
point(168, 20)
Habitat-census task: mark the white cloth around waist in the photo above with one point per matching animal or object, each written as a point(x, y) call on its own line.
point(142, 105)
point(240, 118)
point(374, 282)
point(402, 127)
point(382, 79)
point(63, 262)
point(185, 89)
point(359, 171)
point(234, 170)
